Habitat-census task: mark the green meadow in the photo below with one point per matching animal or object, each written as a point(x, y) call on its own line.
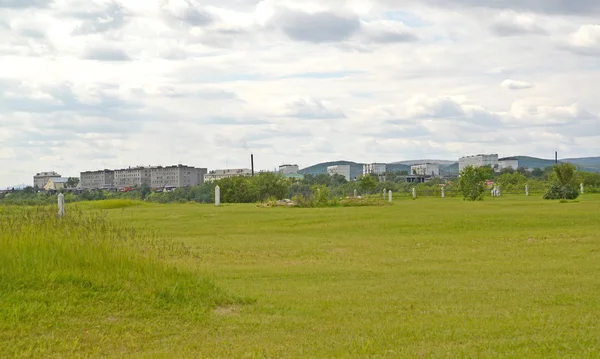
point(509, 277)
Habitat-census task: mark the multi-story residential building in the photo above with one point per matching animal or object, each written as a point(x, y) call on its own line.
point(478, 161)
point(220, 174)
point(343, 170)
point(102, 179)
point(508, 162)
point(176, 176)
point(289, 169)
point(42, 178)
point(426, 169)
point(377, 169)
point(132, 176)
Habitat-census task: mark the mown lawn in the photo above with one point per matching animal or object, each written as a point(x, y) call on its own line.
point(510, 277)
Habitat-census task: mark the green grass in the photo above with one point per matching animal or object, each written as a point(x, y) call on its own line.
point(512, 277)
point(85, 285)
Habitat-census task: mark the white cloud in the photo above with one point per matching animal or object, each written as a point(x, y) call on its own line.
point(114, 83)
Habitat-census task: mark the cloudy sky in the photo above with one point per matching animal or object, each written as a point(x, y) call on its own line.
point(104, 84)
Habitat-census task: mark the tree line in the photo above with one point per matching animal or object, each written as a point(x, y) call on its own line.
point(270, 186)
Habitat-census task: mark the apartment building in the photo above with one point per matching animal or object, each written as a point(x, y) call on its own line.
point(133, 176)
point(176, 176)
point(478, 161)
point(508, 162)
point(426, 169)
point(101, 179)
point(228, 173)
point(377, 169)
point(343, 170)
point(42, 178)
point(289, 169)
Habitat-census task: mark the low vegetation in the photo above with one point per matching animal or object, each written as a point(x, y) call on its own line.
point(83, 284)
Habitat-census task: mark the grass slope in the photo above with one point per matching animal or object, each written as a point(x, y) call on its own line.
point(507, 277)
point(85, 285)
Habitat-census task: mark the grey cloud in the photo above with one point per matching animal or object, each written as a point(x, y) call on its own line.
point(505, 28)
point(21, 4)
point(310, 109)
point(318, 27)
point(32, 33)
point(59, 99)
point(391, 37)
point(556, 7)
point(516, 85)
point(110, 18)
point(106, 54)
point(191, 15)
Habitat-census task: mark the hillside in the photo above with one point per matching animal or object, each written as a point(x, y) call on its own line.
point(587, 164)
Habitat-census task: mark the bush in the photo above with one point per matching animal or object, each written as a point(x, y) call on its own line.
point(557, 191)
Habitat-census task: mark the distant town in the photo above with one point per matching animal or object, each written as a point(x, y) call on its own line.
point(161, 178)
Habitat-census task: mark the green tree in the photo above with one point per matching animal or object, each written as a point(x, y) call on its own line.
point(472, 182)
point(564, 182)
point(72, 182)
point(367, 183)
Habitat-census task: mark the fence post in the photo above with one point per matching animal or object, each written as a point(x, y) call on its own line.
point(384, 192)
point(355, 194)
point(527, 190)
point(414, 193)
point(581, 186)
point(217, 196)
point(61, 205)
point(390, 196)
point(443, 192)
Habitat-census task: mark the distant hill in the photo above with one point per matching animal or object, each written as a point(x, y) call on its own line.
point(533, 162)
point(587, 164)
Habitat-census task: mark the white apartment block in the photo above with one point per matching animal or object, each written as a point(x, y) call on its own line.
point(508, 162)
point(228, 173)
point(343, 170)
point(426, 169)
point(478, 161)
point(377, 169)
point(132, 176)
point(176, 176)
point(42, 178)
point(97, 179)
point(289, 169)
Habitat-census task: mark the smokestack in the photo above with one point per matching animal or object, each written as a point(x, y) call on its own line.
point(252, 163)
point(555, 157)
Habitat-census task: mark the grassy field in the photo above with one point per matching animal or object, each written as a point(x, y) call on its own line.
point(512, 277)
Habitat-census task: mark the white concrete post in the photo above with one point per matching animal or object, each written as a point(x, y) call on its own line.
point(61, 205)
point(414, 193)
point(581, 186)
point(355, 194)
point(443, 192)
point(390, 196)
point(527, 190)
point(384, 192)
point(217, 196)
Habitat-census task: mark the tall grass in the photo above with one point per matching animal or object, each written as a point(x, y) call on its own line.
point(64, 275)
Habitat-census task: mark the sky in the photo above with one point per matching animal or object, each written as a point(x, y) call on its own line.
point(95, 84)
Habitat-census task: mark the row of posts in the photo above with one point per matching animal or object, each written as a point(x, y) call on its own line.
point(388, 194)
point(495, 193)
